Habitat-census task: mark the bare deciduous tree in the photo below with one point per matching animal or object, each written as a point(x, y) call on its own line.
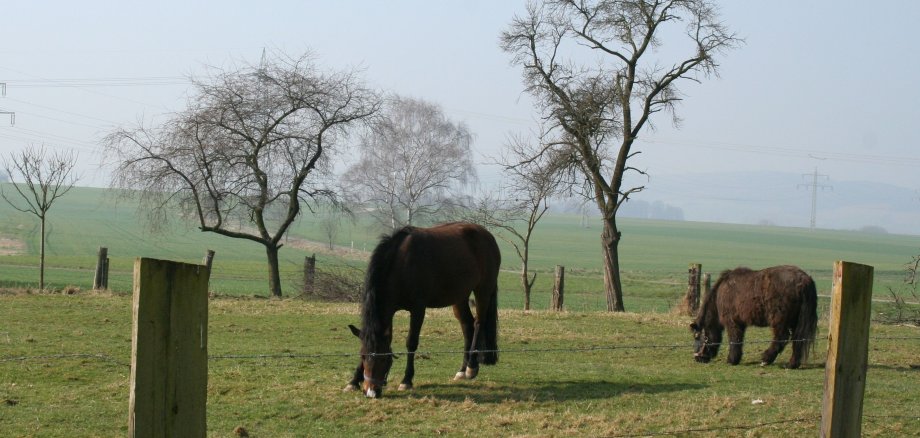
point(412, 160)
point(248, 154)
point(44, 178)
point(517, 209)
point(594, 68)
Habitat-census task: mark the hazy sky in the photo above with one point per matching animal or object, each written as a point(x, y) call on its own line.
point(818, 84)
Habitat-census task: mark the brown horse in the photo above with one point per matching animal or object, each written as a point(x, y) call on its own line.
point(783, 298)
point(417, 268)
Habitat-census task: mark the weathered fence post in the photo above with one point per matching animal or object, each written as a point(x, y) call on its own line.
point(692, 299)
point(209, 260)
point(559, 288)
point(169, 350)
point(847, 350)
point(105, 274)
point(99, 280)
point(309, 274)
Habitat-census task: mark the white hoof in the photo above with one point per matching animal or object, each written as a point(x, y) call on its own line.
point(763, 364)
point(350, 387)
point(471, 373)
point(404, 387)
point(460, 375)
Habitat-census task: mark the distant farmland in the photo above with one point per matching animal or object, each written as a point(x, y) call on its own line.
point(654, 254)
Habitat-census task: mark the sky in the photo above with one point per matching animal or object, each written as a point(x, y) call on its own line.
point(820, 86)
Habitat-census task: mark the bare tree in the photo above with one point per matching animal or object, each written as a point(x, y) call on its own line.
point(597, 101)
point(248, 154)
point(44, 178)
point(515, 211)
point(412, 161)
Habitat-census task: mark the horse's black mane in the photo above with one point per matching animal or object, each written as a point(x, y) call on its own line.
point(378, 270)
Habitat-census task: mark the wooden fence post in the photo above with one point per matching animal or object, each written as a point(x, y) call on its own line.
point(692, 299)
point(209, 261)
point(99, 279)
point(309, 274)
point(559, 288)
point(169, 350)
point(847, 351)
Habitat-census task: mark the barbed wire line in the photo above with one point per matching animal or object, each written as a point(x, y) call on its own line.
point(715, 429)
point(321, 355)
point(97, 356)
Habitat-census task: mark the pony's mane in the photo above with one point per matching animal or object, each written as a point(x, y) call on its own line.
point(378, 270)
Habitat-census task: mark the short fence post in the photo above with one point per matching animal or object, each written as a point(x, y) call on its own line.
point(692, 299)
point(105, 274)
point(99, 279)
point(558, 288)
point(847, 351)
point(209, 260)
point(309, 274)
point(169, 350)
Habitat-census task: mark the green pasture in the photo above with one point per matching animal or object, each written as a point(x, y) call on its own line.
point(278, 367)
point(654, 254)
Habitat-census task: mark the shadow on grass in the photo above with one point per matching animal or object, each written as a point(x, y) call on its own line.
point(548, 392)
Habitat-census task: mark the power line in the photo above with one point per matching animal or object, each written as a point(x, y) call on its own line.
point(814, 185)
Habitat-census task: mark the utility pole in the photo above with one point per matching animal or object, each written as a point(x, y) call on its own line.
point(814, 185)
point(3, 94)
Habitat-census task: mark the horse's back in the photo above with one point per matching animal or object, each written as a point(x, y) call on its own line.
point(439, 266)
point(764, 297)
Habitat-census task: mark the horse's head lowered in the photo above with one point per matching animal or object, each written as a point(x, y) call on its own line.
point(706, 341)
point(376, 361)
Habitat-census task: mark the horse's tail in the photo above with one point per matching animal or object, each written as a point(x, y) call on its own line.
point(807, 328)
point(488, 328)
point(488, 324)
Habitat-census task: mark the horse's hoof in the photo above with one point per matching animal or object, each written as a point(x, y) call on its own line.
point(405, 387)
point(350, 387)
point(763, 364)
point(460, 375)
point(471, 373)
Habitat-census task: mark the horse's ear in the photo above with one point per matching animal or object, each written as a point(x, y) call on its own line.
point(354, 330)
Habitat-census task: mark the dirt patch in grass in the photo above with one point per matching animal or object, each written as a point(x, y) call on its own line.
point(10, 246)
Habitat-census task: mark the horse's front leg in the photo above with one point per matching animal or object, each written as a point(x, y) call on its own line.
point(415, 327)
point(735, 343)
point(356, 380)
point(469, 368)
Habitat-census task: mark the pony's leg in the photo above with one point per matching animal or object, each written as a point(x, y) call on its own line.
point(356, 380)
point(467, 323)
point(415, 327)
point(798, 351)
point(780, 338)
point(735, 343)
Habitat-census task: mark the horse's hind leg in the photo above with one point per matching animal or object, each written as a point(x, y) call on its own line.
point(780, 338)
point(415, 328)
point(469, 367)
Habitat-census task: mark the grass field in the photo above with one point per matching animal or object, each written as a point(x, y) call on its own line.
point(277, 368)
point(278, 365)
point(654, 254)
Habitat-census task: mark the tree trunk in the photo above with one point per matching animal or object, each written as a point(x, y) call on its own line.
point(526, 283)
point(274, 273)
point(610, 240)
point(41, 265)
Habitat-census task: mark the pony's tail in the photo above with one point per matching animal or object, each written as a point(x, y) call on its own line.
point(807, 328)
point(488, 331)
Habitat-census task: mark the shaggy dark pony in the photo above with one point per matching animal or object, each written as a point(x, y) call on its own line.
point(417, 268)
point(783, 298)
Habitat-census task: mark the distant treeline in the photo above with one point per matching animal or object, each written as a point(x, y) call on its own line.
point(633, 208)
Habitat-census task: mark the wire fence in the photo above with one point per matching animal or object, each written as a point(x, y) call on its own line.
point(588, 349)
